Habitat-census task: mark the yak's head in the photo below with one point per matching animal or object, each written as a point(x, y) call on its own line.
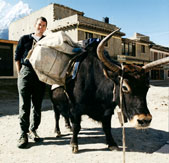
point(132, 85)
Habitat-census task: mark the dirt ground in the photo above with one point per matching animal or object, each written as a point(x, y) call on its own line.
point(142, 146)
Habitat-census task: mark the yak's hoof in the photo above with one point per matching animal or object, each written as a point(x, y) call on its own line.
point(74, 149)
point(58, 134)
point(113, 148)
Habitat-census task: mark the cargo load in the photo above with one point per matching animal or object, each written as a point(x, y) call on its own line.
point(50, 57)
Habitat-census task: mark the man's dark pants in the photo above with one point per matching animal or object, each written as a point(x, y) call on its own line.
point(31, 92)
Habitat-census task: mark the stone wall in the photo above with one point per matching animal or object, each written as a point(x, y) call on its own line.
point(114, 47)
point(51, 12)
point(61, 12)
point(139, 54)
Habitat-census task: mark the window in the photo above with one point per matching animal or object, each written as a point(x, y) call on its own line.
point(128, 49)
point(102, 37)
point(88, 35)
point(123, 49)
point(159, 55)
point(155, 56)
point(133, 50)
point(142, 48)
point(162, 56)
point(157, 74)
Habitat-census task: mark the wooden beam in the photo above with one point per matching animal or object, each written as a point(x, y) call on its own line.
point(8, 41)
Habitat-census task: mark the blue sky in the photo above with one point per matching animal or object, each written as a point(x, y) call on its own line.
point(149, 17)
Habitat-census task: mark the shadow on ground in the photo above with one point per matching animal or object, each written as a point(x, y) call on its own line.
point(145, 141)
point(159, 83)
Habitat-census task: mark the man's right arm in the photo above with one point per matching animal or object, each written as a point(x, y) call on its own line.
point(18, 66)
point(18, 55)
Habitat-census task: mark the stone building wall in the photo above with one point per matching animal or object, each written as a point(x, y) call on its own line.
point(140, 54)
point(61, 12)
point(51, 12)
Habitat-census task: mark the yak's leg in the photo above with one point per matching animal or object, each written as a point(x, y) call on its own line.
point(76, 120)
point(67, 123)
point(106, 124)
point(57, 117)
point(60, 106)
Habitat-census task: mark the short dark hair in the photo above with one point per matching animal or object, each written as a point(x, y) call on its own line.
point(43, 19)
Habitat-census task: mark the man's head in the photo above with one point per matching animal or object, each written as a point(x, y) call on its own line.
point(40, 26)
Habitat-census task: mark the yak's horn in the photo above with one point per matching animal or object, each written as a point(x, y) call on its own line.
point(156, 63)
point(102, 57)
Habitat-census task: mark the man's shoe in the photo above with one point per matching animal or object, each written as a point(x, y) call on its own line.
point(23, 141)
point(34, 136)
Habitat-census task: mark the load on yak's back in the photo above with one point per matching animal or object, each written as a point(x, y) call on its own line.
point(50, 57)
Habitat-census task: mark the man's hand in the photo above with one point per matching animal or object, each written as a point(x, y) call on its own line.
point(18, 66)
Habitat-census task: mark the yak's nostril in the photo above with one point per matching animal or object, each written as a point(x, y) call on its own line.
point(144, 121)
point(140, 122)
point(148, 121)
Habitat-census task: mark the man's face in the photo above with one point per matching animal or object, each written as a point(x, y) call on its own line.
point(40, 27)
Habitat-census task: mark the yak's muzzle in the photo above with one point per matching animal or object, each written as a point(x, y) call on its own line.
point(141, 121)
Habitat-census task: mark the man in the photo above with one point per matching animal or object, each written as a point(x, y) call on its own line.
point(30, 89)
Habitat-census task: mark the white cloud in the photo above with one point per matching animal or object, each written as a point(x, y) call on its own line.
point(4, 7)
point(9, 13)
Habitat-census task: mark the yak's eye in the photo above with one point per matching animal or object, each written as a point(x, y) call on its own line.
point(125, 87)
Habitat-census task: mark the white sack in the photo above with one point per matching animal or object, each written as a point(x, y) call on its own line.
point(51, 56)
point(59, 41)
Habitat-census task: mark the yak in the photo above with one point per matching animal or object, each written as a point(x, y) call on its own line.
point(96, 91)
